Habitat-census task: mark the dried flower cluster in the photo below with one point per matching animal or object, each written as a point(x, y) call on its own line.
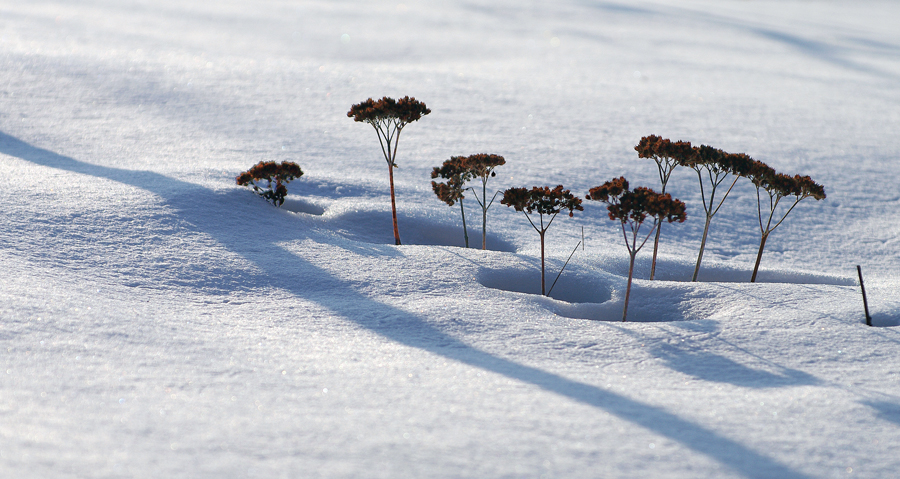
point(545, 201)
point(631, 208)
point(459, 170)
point(270, 172)
point(457, 173)
point(388, 117)
point(713, 167)
point(402, 111)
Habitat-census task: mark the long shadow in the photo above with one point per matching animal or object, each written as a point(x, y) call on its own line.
point(315, 284)
point(885, 410)
point(822, 51)
point(713, 367)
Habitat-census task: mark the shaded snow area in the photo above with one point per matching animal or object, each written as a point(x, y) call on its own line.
point(157, 320)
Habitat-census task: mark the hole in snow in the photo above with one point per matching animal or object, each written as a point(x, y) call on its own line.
point(885, 320)
point(572, 286)
point(375, 226)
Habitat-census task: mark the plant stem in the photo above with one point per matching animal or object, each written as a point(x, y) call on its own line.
point(628, 289)
point(762, 244)
point(542, 262)
point(484, 214)
point(565, 264)
point(702, 247)
point(663, 178)
point(393, 205)
point(865, 301)
point(655, 248)
point(465, 231)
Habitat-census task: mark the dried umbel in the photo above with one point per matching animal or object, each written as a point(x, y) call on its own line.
point(388, 117)
point(667, 154)
point(402, 111)
point(276, 177)
point(631, 208)
point(547, 203)
point(777, 186)
point(714, 167)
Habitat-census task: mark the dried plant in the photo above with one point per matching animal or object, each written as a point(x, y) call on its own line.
point(777, 187)
point(717, 166)
point(388, 117)
point(457, 174)
point(631, 208)
point(270, 172)
point(667, 155)
point(547, 203)
point(479, 166)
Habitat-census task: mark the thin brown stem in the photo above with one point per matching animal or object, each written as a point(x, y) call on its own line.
point(702, 247)
point(394, 206)
point(628, 288)
point(465, 231)
point(762, 244)
point(542, 264)
point(655, 250)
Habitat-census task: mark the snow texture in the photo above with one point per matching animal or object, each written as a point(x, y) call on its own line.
point(156, 320)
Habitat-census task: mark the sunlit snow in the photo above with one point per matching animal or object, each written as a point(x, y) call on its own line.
point(157, 320)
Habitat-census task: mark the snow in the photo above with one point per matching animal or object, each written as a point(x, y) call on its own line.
point(160, 321)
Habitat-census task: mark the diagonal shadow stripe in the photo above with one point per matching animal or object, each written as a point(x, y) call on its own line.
point(406, 328)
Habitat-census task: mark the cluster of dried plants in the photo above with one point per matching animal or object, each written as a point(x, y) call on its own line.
point(631, 208)
point(458, 171)
point(276, 177)
point(716, 168)
point(389, 116)
point(777, 193)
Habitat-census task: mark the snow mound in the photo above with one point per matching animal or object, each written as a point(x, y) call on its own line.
point(297, 205)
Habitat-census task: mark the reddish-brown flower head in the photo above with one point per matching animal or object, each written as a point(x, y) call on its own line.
point(543, 199)
point(405, 110)
point(636, 205)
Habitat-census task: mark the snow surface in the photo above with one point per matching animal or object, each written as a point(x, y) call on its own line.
point(159, 321)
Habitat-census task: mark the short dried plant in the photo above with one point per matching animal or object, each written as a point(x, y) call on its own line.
point(389, 117)
point(547, 203)
point(276, 177)
point(777, 186)
point(459, 170)
point(451, 191)
point(631, 208)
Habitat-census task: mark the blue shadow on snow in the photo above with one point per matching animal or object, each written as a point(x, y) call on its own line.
point(289, 272)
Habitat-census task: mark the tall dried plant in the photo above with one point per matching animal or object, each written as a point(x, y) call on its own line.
point(667, 155)
point(716, 167)
point(389, 117)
